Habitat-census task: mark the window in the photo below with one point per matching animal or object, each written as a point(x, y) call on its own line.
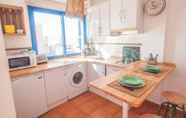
point(55, 34)
point(73, 34)
point(48, 41)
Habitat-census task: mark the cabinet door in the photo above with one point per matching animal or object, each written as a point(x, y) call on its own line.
point(104, 18)
point(131, 13)
point(93, 22)
point(29, 96)
point(126, 14)
point(95, 71)
point(55, 86)
point(99, 19)
point(117, 22)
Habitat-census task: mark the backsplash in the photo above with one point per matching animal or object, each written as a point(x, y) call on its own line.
point(108, 50)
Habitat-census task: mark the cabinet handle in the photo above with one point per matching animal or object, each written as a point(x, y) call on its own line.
point(40, 77)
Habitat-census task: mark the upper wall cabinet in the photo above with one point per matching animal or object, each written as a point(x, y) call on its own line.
point(126, 15)
point(98, 16)
point(107, 17)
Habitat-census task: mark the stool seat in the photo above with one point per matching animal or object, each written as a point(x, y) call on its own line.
point(150, 116)
point(174, 97)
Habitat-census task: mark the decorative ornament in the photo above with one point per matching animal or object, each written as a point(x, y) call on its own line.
point(154, 7)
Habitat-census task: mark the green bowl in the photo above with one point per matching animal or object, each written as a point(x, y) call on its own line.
point(151, 68)
point(131, 80)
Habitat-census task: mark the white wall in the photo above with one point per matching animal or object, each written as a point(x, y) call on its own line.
point(152, 39)
point(7, 109)
point(175, 48)
point(154, 35)
point(25, 41)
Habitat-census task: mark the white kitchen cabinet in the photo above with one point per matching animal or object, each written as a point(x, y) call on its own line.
point(95, 71)
point(29, 96)
point(105, 18)
point(99, 18)
point(55, 80)
point(126, 15)
point(112, 69)
point(93, 23)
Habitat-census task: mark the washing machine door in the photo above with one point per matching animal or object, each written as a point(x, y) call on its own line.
point(77, 79)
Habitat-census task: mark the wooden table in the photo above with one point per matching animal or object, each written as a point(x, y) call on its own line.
point(101, 85)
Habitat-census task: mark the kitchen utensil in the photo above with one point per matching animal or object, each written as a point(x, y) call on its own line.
point(153, 60)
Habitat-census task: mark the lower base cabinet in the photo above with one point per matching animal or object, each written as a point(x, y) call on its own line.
point(36, 94)
point(55, 80)
point(29, 96)
point(95, 71)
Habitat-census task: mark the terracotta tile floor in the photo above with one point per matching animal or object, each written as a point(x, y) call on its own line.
point(89, 105)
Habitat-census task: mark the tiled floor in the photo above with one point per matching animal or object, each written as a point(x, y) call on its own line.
point(89, 105)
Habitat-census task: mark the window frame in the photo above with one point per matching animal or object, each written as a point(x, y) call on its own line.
point(32, 9)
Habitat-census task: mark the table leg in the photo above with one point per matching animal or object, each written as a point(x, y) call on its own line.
point(125, 109)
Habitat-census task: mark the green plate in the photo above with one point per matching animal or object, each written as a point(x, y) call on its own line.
point(131, 81)
point(132, 86)
point(151, 68)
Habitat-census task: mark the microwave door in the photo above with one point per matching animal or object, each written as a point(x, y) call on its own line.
point(19, 62)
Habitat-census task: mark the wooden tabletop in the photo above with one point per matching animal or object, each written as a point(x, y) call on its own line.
point(134, 69)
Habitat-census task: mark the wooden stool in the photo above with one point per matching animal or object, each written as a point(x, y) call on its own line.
point(174, 97)
point(174, 101)
point(150, 116)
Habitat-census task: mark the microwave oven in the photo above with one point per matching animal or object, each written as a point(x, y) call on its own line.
point(22, 60)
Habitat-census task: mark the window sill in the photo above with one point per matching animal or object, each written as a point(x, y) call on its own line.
point(64, 56)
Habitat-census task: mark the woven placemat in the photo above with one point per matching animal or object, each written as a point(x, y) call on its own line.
point(134, 92)
point(140, 69)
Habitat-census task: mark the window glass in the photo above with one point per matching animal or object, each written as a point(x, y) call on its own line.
point(49, 34)
point(73, 35)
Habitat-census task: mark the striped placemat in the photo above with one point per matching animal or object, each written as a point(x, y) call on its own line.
point(134, 92)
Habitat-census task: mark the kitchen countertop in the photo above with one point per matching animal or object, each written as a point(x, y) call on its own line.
point(133, 69)
point(63, 62)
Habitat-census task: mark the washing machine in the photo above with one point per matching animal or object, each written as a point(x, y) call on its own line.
point(77, 82)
